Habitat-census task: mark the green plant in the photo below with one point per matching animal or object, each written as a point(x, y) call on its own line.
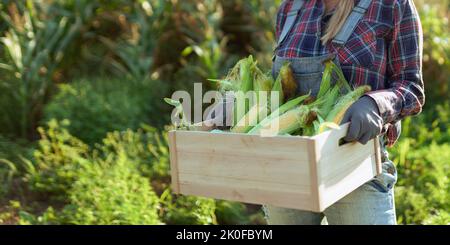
point(183, 24)
point(422, 156)
point(433, 125)
point(56, 162)
point(188, 210)
point(116, 182)
point(236, 213)
point(88, 55)
point(183, 41)
point(145, 148)
point(34, 48)
point(424, 180)
point(111, 191)
point(210, 57)
point(135, 52)
point(97, 106)
point(11, 151)
point(249, 27)
point(422, 195)
point(435, 23)
point(411, 206)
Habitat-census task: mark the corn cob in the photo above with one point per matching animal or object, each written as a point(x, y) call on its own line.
point(337, 113)
point(330, 99)
point(277, 89)
point(246, 84)
point(263, 84)
point(261, 81)
point(342, 82)
point(288, 83)
point(312, 129)
point(325, 85)
point(233, 78)
point(287, 123)
point(245, 71)
point(224, 85)
point(276, 113)
point(251, 119)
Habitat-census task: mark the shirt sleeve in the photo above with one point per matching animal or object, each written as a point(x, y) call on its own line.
point(404, 95)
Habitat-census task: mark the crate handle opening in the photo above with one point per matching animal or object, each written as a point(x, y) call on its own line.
point(342, 142)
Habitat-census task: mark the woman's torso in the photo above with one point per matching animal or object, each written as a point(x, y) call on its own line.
point(363, 58)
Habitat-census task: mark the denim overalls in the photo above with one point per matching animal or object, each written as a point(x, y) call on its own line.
point(372, 203)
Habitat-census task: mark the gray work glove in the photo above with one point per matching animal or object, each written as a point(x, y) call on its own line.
point(221, 115)
point(365, 121)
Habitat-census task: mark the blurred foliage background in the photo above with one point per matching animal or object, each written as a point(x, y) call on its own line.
point(82, 125)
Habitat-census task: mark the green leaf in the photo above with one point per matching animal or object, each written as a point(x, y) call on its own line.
point(328, 125)
point(6, 67)
point(172, 102)
point(187, 51)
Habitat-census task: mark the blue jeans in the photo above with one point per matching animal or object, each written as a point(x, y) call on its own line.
point(370, 204)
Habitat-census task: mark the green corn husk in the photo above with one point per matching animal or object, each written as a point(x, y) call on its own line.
point(245, 72)
point(261, 81)
point(233, 76)
point(288, 122)
point(288, 83)
point(281, 110)
point(326, 84)
point(179, 112)
point(246, 67)
point(224, 85)
point(304, 115)
point(337, 113)
point(326, 79)
point(252, 118)
point(321, 127)
point(330, 99)
point(278, 89)
point(342, 82)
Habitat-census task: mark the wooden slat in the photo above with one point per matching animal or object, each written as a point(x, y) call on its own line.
point(241, 144)
point(234, 183)
point(173, 162)
point(287, 171)
point(286, 199)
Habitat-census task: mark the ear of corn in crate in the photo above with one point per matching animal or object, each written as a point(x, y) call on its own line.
point(281, 112)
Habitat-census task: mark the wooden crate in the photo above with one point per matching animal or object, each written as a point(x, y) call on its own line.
point(306, 173)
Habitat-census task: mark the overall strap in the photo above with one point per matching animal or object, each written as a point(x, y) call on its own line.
point(290, 20)
point(352, 21)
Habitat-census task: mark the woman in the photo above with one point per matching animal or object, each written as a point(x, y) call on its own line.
point(375, 42)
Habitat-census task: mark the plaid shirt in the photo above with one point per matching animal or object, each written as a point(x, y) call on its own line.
point(385, 52)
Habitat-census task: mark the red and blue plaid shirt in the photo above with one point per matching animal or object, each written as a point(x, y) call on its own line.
point(385, 52)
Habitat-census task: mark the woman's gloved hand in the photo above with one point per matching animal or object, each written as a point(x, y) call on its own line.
point(365, 121)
